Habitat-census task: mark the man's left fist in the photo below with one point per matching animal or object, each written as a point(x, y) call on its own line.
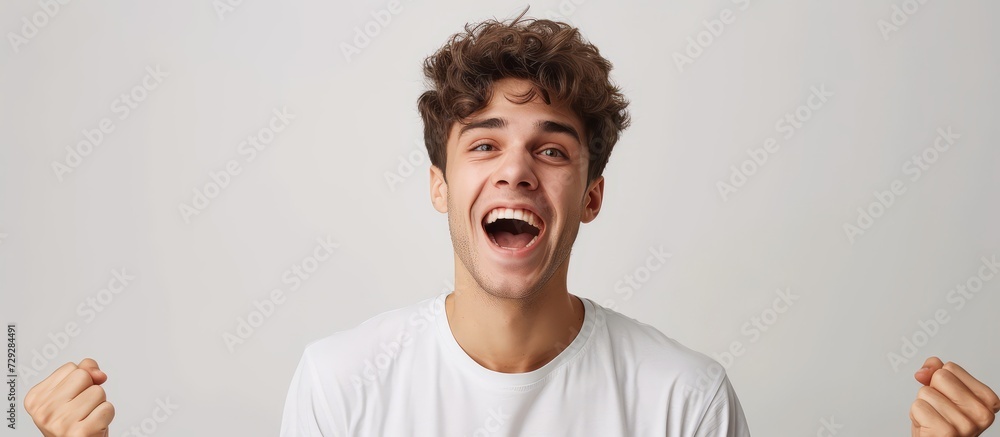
point(951, 402)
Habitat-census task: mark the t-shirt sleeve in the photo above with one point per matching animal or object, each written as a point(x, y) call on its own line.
point(724, 415)
point(307, 412)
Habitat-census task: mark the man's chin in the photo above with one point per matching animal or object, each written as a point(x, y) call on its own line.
point(513, 293)
point(498, 283)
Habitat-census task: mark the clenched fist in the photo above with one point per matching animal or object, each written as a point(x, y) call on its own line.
point(951, 403)
point(71, 402)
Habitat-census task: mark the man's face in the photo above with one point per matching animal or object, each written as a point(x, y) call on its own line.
point(529, 158)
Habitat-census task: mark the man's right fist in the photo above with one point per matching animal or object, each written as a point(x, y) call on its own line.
point(71, 402)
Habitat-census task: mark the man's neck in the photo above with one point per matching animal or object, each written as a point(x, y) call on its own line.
point(514, 335)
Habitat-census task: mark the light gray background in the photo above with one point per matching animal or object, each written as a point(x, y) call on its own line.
point(355, 120)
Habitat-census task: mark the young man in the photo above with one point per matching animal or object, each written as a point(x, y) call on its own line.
point(519, 124)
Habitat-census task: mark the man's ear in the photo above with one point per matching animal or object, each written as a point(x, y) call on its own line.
point(439, 190)
point(592, 200)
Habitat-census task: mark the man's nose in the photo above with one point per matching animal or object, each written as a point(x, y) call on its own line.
point(516, 168)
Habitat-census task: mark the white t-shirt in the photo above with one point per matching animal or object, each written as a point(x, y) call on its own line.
point(401, 373)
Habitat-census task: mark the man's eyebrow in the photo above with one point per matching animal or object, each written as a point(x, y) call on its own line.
point(543, 125)
point(489, 123)
point(557, 127)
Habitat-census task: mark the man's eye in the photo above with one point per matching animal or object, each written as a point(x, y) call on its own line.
point(558, 153)
point(482, 145)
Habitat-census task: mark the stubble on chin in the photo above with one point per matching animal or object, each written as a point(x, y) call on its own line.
point(464, 247)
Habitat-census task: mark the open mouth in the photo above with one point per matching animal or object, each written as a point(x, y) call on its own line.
point(513, 228)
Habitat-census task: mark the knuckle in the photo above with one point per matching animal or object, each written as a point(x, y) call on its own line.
point(994, 401)
point(29, 400)
point(81, 374)
point(99, 392)
point(925, 392)
point(42, 414)
point(982, 417)
point(69, 365)
point(940, 376)
point(965, 428)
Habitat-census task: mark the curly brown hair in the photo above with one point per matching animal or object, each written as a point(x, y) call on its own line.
point(551, 54)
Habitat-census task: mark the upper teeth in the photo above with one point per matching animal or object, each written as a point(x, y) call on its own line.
point(509, 213)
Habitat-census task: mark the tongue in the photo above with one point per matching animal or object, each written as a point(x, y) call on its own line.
point(512, 241)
